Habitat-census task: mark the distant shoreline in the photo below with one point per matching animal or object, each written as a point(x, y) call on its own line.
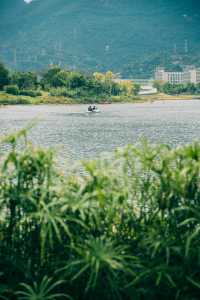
point(7, 99)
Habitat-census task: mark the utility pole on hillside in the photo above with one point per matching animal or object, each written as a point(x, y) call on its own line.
point(175, 49)
point(15, 57)
point(186, 46)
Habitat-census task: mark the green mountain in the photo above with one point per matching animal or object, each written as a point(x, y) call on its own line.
point(127, 36)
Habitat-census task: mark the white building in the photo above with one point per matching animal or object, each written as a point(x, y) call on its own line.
point(188, 75)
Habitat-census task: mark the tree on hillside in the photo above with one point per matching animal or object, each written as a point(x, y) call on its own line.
point(48, 76)
point(4, 76)
point(107, 77)
point(198, 88)
point(25, 80)
point(191, 88)
point(98, 76)
point(76, 80)
point(168, 88)
point(126, 87)
point(136, 89)
point(96, 86)
point(107, 80)
point(158, 84)
point(60, 79)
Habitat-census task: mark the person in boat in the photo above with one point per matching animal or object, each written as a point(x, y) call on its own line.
point(94, 107)
point(90, 108)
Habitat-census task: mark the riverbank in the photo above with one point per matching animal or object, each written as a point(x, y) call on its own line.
point(46, 98)
point(162, 96)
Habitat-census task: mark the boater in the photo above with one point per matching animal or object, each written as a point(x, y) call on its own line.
point(90, 108)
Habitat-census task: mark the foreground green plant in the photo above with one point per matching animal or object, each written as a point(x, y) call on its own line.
point(99, 265)
point(126, 228)
point(42, 291)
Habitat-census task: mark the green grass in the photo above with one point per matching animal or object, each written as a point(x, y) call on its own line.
point(7, 99)
point(162, 96)
point(46, 98)
point(125, 228)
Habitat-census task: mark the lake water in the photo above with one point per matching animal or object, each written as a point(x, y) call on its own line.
point(78, 135)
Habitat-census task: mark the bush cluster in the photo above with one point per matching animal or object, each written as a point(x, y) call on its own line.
point(30, 93)
point(14, 101)
point(177, 89)
point(81, 93)
point(62, 92)
point(127, 228)
point(12, 89)
point(65, 83)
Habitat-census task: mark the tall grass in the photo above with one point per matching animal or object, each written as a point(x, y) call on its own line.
point(128, 228)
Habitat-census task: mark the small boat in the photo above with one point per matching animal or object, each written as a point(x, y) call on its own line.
point(93, 110)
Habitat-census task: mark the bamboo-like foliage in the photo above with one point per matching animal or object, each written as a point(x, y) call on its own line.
point(127, 228)
point(42, 291)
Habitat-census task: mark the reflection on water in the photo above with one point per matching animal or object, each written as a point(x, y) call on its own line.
point(79, 135)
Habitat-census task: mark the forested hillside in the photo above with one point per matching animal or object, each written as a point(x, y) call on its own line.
point(127, 36)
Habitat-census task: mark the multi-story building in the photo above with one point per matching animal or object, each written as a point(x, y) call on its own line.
point(198, 75)
point(188, 75)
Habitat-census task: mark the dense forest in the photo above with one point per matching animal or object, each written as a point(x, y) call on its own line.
point(129, 36)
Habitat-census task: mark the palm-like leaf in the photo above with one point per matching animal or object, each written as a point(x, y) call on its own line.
point(42, 291)
point(100, 256)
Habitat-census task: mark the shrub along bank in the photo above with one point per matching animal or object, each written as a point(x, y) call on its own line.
point(127, 228)
point(177, 89)
point(75, 85)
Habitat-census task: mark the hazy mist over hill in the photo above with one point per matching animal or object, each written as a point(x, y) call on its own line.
point(127, 36)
